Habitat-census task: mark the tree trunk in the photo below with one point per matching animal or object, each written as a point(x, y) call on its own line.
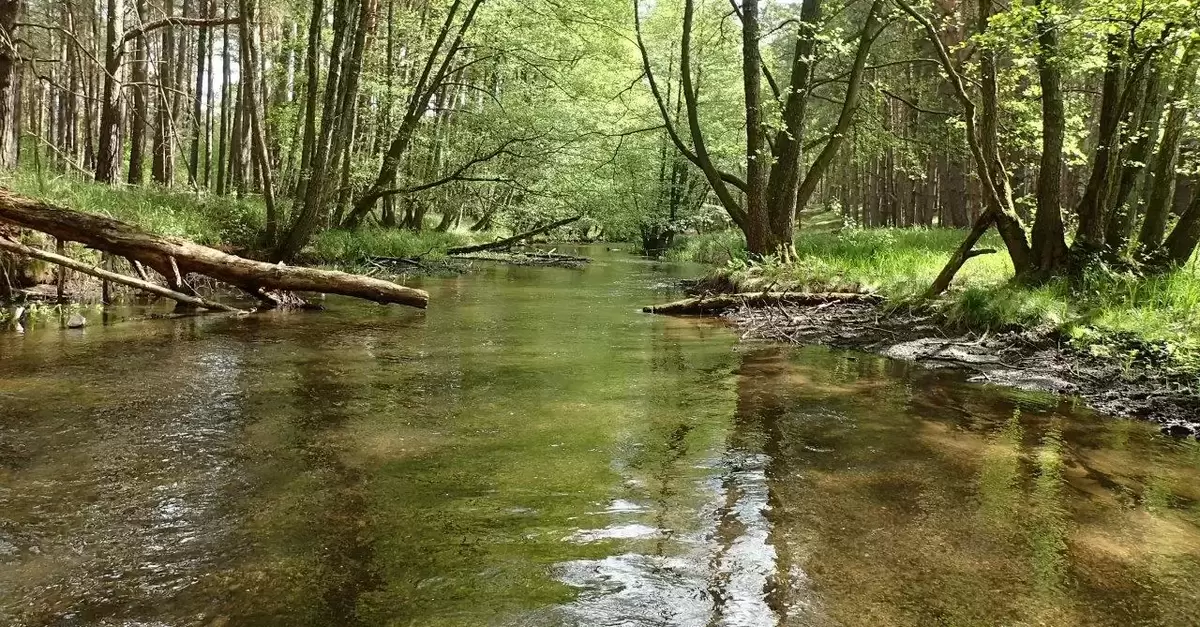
point(1162, 185)
point(109, 153)
point(174, 257)
point(1049, 238)
point(10, 86)
point(202, 43)
point(258, 141)
point(1089, 238)
point(140, 117)
point(312, 79)
point(226, 112)
point(1126, 202)
point(164, 142)
point(430, 81)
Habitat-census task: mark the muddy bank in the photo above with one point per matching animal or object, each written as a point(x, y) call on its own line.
point(1019, 358)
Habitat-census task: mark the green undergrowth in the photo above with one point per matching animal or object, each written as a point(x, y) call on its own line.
point(1123, 316)
point(227, 222)
point(339, 247)
point(203, 218)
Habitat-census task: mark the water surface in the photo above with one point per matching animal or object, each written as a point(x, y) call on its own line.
point(533, 451)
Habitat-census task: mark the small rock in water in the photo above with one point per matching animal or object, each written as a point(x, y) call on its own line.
point(1178, 430)
point(76, 321)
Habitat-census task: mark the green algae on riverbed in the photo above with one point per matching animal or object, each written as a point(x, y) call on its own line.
point(533, 451)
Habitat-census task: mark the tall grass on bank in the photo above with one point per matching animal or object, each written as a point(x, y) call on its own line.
point(356, 247)
point(1106, 312)
point(206, 219)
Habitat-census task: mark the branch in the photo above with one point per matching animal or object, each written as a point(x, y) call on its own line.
point(668, 124)
point(78, 266)
point(456, 175)
point(138, 31)
point(914, 106)
point(765, 70)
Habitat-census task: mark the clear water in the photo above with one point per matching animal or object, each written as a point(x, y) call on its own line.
point(534, 451)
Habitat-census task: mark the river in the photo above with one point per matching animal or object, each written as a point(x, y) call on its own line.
point(534, 451)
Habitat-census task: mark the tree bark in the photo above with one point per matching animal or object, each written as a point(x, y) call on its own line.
point(140, 117)
point(1162, 185)
point(312, 80)
point(202, 44)
point(1049, 237)
point(251, 108)
point(108, 156)
point(163, 161)
point(1089, 238)
point(10, 115)
point(1126, 203)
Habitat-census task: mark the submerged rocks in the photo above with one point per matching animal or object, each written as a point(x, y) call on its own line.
point(1022, 359)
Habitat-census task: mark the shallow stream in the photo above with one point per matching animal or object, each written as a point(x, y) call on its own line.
point(534, 451)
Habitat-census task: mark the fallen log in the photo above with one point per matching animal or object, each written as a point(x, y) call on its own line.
point(174, 257)
point(719, 303)
point(79, 266)
point(508, 242)
point(526, 259)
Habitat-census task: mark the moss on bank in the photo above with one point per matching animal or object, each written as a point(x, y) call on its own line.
point(1116, 315)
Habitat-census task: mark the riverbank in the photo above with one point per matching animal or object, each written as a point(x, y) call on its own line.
point(229, 224)
point(1126, 345)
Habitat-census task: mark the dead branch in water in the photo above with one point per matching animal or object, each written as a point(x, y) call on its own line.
point(78, 266)
point(175, 258)
point(720, 303)
point(510, 241)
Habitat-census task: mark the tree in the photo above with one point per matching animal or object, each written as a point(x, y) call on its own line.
point(773, 188)
point(10, 115)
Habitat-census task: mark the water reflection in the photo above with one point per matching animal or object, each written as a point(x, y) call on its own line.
point(534, 452)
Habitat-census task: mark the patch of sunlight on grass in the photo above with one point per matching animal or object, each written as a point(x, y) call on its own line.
point(1150, 316)
point(207, 219)
point(355, 247)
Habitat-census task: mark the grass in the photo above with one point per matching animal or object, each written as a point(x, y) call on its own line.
point(355, 247)
point(206, 219)
point(1119, 315)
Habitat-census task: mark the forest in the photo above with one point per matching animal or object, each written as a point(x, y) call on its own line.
point(1073, 118)
point(1063, 133)
point(711, 312)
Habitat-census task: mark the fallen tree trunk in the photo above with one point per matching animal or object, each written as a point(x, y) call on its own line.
point(79, 266)
point(508, 242)
point(175, 258)
point(719, 303)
